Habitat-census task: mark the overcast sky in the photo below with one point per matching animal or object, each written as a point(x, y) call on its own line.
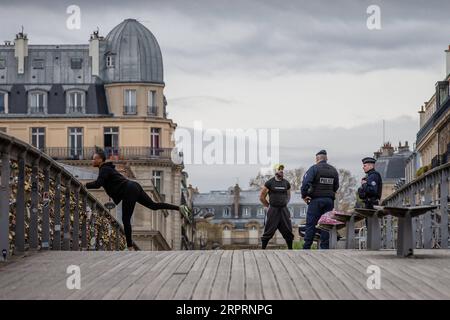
point(310, 68)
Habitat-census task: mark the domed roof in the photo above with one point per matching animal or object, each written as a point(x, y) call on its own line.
point(137, 56)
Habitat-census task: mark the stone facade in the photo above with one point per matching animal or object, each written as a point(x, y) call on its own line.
point(69, 99)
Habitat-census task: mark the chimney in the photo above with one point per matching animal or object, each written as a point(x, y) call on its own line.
point(94, 52)
point(236, 194)
point(447, 62)
point(387, 150)
point(21, 51)
point(421, 116)
point(403, 148)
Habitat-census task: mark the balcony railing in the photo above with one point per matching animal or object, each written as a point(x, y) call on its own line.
point(76, 109)
point(152, 111)
point(129, 109)
point(34, 110)
point(119, 153)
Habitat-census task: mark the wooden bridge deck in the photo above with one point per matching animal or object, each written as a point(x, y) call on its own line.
point(243, 274)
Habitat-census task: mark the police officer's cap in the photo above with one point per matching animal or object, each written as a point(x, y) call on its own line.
point(368, 160)
point(324, 152)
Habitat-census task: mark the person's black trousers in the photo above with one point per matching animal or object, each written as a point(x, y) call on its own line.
point(278, 218)
point(316, 208)
point(132, 194)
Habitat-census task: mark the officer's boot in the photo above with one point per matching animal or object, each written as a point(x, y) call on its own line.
point(289, 244)
point(264, 243)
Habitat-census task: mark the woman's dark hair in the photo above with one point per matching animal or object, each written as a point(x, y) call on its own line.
point(101, 154)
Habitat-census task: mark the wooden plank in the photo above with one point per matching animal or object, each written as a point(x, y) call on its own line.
point(253, 288)
point(203, 289)
point(334, 284)
point(187, 287)
point(98, 276)
point(44, 273)
point(152, 289)
point(270, 287)
point(284, 281)
point(319, 285)
point(55, 287)
point(389, 281)
point(402, 270)
point(357, 273)
point(219, 290)
point(133, 291)
point(169, 289)
point(259, 274)
point(134, 272)
point(354, 289)
point(304, 288)
point(237, 280)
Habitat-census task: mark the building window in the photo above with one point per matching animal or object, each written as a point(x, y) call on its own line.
point(155, 142)
point(76, 63)
point(260, 211)
point(111, 141)
point(37, 101)
point(157, 180)
point(38, 138)
point(291, 211)
point(226, 212)
point(2, 63)
point(151, 103)
point(3, 102)
point(110, 61)
point(38, 63)
point(75, 101)
point(129, 102)
point(76, 143)
point(303, 212)
point(246, 212)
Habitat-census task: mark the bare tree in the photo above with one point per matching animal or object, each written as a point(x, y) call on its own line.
point(346, 195)
point(294, 176)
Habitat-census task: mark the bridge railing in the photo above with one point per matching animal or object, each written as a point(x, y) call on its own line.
point(42, 206)
point(430, 230)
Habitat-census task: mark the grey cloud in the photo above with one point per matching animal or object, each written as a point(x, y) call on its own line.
point(270, 36)
point(345, 147)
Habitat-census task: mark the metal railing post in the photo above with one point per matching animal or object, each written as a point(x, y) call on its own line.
point(57, 212)
point(84, 223)
point(5, 191)
point(444, 208)
point(20, 204)
point(66, 239)
point(33, 235)
point(46, 209)
point(427, 226)
point(76, 221)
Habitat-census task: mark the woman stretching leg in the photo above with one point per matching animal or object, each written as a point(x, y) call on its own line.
point(129, 192)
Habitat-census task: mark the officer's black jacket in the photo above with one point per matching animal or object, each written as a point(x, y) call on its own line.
point(373, 188)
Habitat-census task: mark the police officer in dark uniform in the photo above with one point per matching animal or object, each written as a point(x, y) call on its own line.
point(371, 184)
point(319, 187)
point(278, 215)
